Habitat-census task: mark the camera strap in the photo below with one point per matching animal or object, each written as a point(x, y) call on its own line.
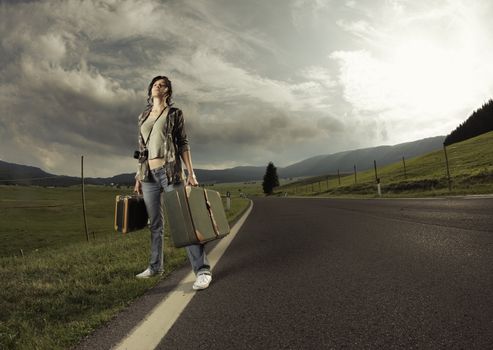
point(150, 132)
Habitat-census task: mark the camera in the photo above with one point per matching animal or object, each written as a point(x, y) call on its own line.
point(141, 156)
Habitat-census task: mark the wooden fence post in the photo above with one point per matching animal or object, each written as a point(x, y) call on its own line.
point(448, 170)
point(83, 196)
point(404, 162)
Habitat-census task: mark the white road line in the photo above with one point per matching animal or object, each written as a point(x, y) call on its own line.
point(468, 196)
point(152, 329)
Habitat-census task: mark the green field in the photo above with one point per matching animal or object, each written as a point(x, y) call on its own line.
point(470, 164)
point(35, 218)
point(63, 287)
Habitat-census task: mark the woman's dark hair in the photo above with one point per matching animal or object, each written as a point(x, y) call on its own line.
point(168, 85)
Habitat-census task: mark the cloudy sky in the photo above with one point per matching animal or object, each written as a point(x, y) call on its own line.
point(258, 81)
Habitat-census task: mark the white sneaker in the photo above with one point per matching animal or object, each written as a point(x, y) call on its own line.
point(146, 274)
point(203, 280)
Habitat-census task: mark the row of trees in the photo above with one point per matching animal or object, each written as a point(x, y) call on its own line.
point(480, 122)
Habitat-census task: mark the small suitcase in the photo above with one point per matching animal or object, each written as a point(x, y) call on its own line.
point(130, 213)
point(195, 215)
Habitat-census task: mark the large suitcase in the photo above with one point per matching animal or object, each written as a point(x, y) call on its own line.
point(195, 215)
point(130, 213)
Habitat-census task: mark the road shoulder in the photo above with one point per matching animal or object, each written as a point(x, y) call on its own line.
point(177, 285)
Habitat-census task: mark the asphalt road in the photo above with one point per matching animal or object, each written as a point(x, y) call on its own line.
point(350, 274)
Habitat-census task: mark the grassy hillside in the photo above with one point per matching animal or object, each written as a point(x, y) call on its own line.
point(471, 171)
point(344, 161)
point(64, 287)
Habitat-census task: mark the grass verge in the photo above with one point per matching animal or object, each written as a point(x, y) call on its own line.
point(471, 172)
point(52, 298)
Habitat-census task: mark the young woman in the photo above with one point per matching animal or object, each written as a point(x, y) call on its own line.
point(162, 136)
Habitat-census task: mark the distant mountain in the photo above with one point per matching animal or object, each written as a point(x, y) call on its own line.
point(11, 173)
point(329, 164)
point(236, 174)
point(362, 158)
point(318, 165)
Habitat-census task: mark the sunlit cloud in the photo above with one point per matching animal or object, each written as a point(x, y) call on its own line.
point(417, 75)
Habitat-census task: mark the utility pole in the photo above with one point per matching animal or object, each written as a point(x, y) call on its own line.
point(83, 196)
point(448, 170)
point(404, 162)
point(375, 165)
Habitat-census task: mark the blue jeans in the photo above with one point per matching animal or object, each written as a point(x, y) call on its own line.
point(153, 198)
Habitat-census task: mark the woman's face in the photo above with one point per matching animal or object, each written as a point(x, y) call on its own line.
point(159, 89)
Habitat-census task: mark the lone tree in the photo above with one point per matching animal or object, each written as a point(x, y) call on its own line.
point(270, 179)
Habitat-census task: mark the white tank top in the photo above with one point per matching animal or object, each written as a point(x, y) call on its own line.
point(156, 144)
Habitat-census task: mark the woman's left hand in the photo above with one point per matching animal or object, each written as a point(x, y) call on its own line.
point(192, 180)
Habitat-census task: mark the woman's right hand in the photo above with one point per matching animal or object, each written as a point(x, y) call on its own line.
point(138, 187)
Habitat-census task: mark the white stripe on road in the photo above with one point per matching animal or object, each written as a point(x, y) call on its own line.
point(152, 329)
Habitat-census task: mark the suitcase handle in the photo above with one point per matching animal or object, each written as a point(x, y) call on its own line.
point(214, 223)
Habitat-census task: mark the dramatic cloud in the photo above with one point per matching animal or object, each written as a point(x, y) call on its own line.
point(257, 81)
